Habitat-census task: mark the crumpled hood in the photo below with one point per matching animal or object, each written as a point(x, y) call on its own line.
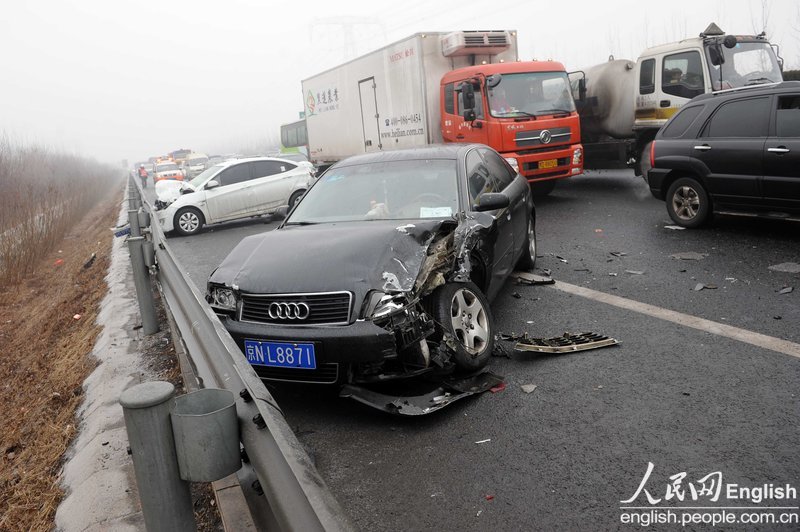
point(169, 190)
point(355, 257)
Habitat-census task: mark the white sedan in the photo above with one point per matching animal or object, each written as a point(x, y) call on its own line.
point(232, 190)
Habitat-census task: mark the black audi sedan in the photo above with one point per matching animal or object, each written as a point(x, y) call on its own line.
point(383, 270)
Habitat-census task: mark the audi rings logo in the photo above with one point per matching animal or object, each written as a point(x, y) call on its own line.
point(288, 311)
point(545, 136)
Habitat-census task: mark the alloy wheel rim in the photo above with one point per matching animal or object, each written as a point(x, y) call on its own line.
point(470, 321)
point(189, 222)
point(686, 203)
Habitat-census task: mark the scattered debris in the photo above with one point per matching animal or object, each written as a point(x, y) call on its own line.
point(634, 272)
point(777, 317)
point(512, 337)
point(58, 262)
point(582, 270)
point(499, 388)
point(674, 227)
point(489, 497)
point(88, 263)
point(689, 255)
point(612, 274)
point(598, 230)
point(528, 388)
point(701, 286)
point(76, 317)
point(546, 272)
point(123, 232)
point(516, 295)
point(531, 279)
point(479, 513)
point(786, 290)
point(484, 441)
point(562, 259)
point(448, 391)
point(731, 279)
point(686, 393)
point(786, 267)
point(565, 344)
point(618, 253)
point(599, 386)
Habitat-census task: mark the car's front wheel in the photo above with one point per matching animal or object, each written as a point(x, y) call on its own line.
point(687, 203)
point(462, 312)
point(295, 197)
point(188, 221)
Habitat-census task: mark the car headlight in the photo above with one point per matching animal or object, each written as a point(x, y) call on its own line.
point(222, 298)
point(381, 305)
point(513, 162)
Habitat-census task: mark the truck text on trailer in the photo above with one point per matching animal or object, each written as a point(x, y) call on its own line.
point(448, 87)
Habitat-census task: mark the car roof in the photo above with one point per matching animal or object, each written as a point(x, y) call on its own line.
point(751, 90)
point(432, 151)
point(232, 162)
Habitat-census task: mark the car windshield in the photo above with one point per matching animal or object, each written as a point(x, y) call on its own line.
point(205, 175)
point(747, 63)
point(166, 167)
point(195, 162)
point(531, 94)
point(385, 190)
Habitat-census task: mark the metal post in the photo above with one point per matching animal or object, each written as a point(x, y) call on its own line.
point(165, 497)
point(144, 292)
point(131, 194)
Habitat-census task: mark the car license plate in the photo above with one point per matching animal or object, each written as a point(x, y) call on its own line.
point(280, 354)
point(549, 163)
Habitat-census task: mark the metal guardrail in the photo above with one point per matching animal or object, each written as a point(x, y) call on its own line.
point(294, 491)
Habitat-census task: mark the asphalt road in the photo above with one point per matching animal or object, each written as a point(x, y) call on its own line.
point(685, 399)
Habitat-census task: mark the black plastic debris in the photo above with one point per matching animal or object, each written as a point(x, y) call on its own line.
point(566, 343)
point(88, 263)
point(448, 391)
point(689, 255)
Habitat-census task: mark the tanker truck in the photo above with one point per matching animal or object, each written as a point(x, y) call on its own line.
point(623, 103)
point(465, 86)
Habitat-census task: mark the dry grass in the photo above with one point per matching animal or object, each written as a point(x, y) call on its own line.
point(43, 363)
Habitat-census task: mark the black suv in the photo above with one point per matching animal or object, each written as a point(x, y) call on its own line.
point(730, 152)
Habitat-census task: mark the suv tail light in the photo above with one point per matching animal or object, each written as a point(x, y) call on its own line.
point(652, 154)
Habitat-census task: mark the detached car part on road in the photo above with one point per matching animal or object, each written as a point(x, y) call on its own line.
point(232, 190)
point(731, 152)
point(384, 270)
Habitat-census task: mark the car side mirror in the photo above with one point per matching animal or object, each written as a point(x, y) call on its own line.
point(212, 184)
point(491, 201)
point(280, 213)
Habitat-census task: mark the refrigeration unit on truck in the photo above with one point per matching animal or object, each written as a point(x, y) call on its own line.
point(622, 104)
point(429, 88)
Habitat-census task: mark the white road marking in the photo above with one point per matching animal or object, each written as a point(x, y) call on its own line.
point(701, 324)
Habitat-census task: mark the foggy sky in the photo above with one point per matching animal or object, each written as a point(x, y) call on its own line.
point(120, 80)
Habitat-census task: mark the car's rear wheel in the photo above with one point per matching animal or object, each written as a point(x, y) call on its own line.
point(462, 312)
point(528, 259)
point(687, 203)
point(188, 221)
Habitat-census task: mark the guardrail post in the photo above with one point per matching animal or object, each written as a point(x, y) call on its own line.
point(141, 279)
point(165, 497)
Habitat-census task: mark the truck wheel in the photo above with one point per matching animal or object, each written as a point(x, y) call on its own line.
point(462, 312)
point(542, 188)
point(687, 203)
point(528, 259)
point(188, 221)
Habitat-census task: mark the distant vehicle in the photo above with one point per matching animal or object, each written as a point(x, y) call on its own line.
point(622, 103)
point(167, 170)
point(731, 152)
point(384, 270)
point(232, 190)
point(194, 164)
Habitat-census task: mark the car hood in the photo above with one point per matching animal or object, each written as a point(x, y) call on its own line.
point(169, 190)
point(349, 256)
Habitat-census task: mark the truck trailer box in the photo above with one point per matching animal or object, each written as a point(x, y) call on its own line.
point(389, 98)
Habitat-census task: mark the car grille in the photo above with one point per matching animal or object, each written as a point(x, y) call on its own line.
point(324, 374)
point(330, 308)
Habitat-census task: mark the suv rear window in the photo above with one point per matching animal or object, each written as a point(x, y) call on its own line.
point(740, 118)
point(681, 121)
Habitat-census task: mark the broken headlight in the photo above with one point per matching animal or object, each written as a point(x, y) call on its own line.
point(381, 305)
point(222, 298)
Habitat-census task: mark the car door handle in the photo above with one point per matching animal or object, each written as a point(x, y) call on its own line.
point(704, 147)
point(664, 103)
point(779, 149)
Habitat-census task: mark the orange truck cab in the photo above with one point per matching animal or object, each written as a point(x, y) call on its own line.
point(523, 109)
